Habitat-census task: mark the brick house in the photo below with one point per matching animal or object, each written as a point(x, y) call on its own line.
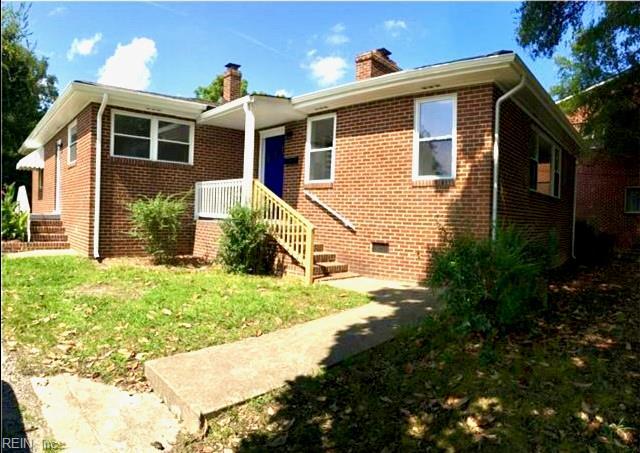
point(363, 177)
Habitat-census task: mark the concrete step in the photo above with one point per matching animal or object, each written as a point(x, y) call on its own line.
point(332, 267)
point(323, 257)
point(48, 237)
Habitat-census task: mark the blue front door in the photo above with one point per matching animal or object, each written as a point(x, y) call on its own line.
point(274, 164)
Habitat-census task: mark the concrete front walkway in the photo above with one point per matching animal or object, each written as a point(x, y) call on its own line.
point(197, 384)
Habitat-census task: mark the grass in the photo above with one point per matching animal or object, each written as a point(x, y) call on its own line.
point(569, 382)
point(104, 320)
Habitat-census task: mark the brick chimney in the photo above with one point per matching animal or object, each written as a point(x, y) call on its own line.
point(232, 82)
point(374, 63)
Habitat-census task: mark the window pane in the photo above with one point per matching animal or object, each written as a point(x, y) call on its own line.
point(436, 118)
point(533, 174)
point(544, 166)
point(633, 199)
point(131, 147)
point(173, 131)
point(435, 158)
point(73, 152)
point(132, 125)
point(320, 165)
point(175, 152)
point(73, 135)
point(322, 133)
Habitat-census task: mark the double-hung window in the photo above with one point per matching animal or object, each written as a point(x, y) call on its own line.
point(72, 140)
point(320, 158)
point(545, 165)
point(150, 137)
point(434, 143)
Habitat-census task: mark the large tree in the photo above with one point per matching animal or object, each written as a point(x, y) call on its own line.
point(27, 89)
point(600, 79)
point(213, 91)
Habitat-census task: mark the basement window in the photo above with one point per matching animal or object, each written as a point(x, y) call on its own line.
point(380, 247)
point(140, 136)
point(632, 200)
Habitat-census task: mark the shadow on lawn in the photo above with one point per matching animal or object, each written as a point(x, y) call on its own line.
point(14, 436)
point(568, 381)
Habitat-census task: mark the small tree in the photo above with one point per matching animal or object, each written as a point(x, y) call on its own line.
point(156, 222)
point(245, 246)
point(14, 222)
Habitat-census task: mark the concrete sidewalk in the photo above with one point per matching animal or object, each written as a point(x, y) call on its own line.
point(199, 383)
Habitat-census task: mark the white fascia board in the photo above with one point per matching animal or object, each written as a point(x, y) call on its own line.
point(225, 109)
point(76, 96)
point(306, 101)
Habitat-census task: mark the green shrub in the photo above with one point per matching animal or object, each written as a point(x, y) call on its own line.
point(14, 222)
point(245, 246)
point(489, 284)
point(156, 222)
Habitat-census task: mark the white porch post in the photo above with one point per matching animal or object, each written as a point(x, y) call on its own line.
point(249, 152)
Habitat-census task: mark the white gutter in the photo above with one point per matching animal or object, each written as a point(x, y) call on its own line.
point(96, 203)
point(573, 230)
point(496, 155)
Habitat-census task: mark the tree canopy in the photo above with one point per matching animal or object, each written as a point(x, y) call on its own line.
point(600, 79)
point(27, 89)
point(213, 91)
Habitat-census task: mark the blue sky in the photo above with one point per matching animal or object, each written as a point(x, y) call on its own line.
point(288, 47)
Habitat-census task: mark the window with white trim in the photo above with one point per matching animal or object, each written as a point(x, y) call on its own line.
point(72, 140)
point(632, 200)
point(150, 137)
point(434, 147)
point(321, 136)
point(545, 165)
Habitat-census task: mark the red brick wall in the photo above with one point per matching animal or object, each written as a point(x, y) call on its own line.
point(373, 185)
point(76, 210)
point(217, 155)
point(535, 213)
point(600, 197)
point(207, 237)
point(44, 202)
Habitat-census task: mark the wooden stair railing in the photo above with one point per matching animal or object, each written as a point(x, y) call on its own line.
point(287, 226)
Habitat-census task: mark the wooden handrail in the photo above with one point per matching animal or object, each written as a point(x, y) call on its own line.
point(287, 226)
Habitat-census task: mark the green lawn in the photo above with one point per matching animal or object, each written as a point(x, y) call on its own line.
point(104, 320)
point(569, 382)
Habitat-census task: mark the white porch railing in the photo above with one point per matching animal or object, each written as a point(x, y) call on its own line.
point(214, 199)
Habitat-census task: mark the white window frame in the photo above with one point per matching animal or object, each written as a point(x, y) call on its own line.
point(453, 97)
point(626, 190)
point(555, 149)
point(308, 150)
point(73, 124)
point(153, 151)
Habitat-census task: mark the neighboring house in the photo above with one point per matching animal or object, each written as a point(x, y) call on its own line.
point(608, 192)
point(374, 170)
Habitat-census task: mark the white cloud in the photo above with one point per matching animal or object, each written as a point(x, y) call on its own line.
point(83, 47)
point(312, 52)
point(337, 35)
point(327, 70)
point(57, 11)
point(395, 26)
point(283, 92)
point(128, 67)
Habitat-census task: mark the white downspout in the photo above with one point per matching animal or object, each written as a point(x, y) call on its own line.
point(96, 203)
point(573, 231)
point(496, 155)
